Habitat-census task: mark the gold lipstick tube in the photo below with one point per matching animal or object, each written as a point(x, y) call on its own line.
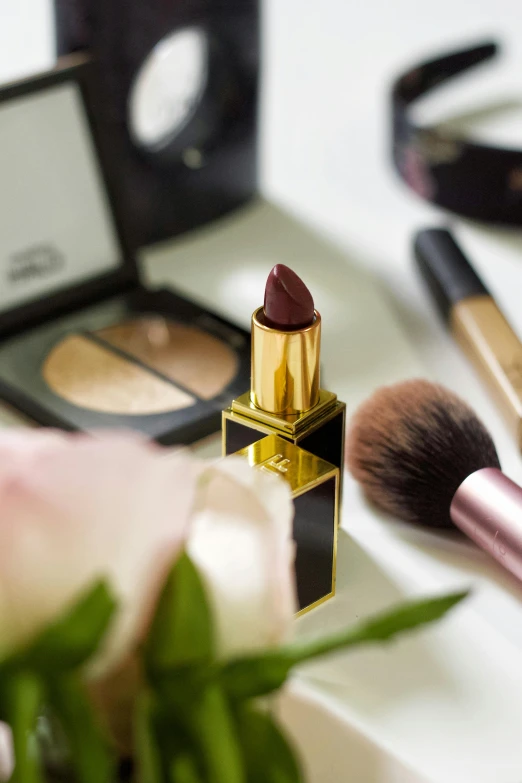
point(288, 425)
point(285, 367)
point(474, 319)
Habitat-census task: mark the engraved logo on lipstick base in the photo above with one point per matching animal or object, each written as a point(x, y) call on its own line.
point(275, 464)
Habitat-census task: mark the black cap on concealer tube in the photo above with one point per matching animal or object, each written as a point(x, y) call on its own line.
point(446, 270)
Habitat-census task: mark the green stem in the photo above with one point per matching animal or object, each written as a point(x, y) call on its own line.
point(23, 697)
point(214, 734)
point(89, 754)
point(184, 770)
point(146, 747)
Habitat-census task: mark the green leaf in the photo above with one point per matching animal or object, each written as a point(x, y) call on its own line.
point(267, 753)
point(257, 675)
point(22, 698)
point(383, 627)
point(181, 633)
point(72, 639)
point(180, 686)
point(90, 756)
point(184, 770)
point(214, 735)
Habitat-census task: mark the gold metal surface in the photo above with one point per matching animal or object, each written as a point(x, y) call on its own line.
point(490, 342)
point(290, 424)
point(320, 601)
point(295, 428)
point(285, 367)
point(299, 468)
point(303, 471)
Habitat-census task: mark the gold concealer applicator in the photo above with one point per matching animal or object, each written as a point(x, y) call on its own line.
point(474, 319)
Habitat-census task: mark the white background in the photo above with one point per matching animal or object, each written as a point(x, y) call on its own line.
point(448, 702)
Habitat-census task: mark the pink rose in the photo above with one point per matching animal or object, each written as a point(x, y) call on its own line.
point(74, 508)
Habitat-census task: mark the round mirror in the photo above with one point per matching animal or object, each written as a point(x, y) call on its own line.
point(168, 88)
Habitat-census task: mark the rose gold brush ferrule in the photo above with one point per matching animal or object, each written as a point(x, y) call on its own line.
point(487, 507)
point(285, 367)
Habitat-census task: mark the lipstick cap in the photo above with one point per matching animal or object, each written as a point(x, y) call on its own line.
point(446, 270)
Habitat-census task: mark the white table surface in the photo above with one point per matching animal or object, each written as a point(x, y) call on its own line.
point(447, 702)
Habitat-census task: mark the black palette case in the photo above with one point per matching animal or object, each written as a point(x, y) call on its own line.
point(66, 268)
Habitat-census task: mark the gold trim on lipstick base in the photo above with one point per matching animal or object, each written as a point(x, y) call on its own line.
point(289, 424)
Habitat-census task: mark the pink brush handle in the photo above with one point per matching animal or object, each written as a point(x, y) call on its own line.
point(487, 507)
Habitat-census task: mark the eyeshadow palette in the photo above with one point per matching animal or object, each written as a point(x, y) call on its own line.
point(147, 360)
point(83, 344)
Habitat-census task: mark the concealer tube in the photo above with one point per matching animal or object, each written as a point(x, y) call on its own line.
point(474, 319)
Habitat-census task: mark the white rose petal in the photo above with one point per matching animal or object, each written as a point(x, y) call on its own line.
point(241, 540)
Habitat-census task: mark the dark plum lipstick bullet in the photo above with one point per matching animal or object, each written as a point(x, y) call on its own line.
point(288, 302)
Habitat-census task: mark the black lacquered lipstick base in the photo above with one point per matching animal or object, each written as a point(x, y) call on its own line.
point(314, 485)
point(308, 452)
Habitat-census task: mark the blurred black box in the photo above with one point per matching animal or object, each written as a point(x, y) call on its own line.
point(206, 164)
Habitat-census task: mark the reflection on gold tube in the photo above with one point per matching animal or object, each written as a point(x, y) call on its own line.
point(285, 367)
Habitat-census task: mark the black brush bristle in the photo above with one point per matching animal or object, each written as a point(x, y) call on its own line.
point(411, 445)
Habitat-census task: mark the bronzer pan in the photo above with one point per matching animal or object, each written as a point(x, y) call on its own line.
point(85, 344)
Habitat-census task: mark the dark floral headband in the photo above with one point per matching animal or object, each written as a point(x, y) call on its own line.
point(475, 180)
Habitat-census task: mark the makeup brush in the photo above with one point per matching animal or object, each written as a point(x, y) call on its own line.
point(421, 454)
